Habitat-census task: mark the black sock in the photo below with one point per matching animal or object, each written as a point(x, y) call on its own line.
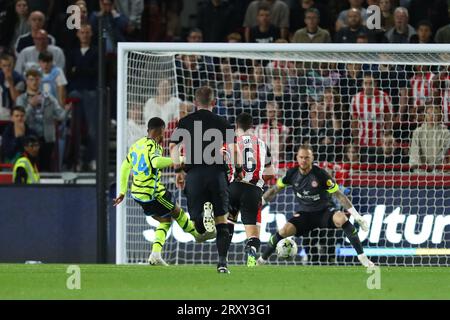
point(199, 225)
point(231, 230)
point(352, 235)
point(222, 242)
point(253, 242)
point(274, 239)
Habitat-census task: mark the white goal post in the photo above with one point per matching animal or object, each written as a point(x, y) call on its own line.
point(406, 204)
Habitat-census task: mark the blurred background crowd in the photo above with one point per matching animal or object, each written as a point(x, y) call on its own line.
point(353, 113)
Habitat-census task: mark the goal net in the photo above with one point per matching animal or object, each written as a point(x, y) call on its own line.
point(376, 116)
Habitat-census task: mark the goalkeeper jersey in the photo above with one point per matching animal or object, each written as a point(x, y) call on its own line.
point(145, 162)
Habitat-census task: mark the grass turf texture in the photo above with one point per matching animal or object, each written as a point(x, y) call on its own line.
point(203, 282)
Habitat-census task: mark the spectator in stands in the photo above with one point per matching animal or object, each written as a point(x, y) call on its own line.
point(264, 31)
point(274, 133)
point(298, 10)
point(288, 101)
point(339, 134)
point(402, 31)
point(41, 113)
point(355, 28)
point(312, 33)
point(12, 84)
point(444, 92)
point(185, 109)
point(28, 57)
point(249, 102)
point(259, 78)
point(387, 15)
point(7, 16)
point(21, 25)
point(421, 88)
point(430, 142)
point(66, 38)
point(424, 33)
point(317, 132)
point(443, 34)
point(195, 35)
point(82, 70)
point(164, 104)
point(115, 24)
point(343, 17)
point(53, 78)
point(82, 62)
point(215, 19)
point(331, 101)
point(389, 152)
point(321, 77)
point(234, 37)
point(351, 155)
point(372, 113)
point(133, 11)
point(279, 16)
point(350, 81)
point(25, 169)
point(191, 75)
point(431, 10)
point(227, 91)
point(14, 134)
point(36, 21)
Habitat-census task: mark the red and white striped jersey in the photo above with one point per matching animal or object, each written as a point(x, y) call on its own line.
point(274, 138)
point(254, 156)
point(422, 88)
point(445, 102)
point(369, 112)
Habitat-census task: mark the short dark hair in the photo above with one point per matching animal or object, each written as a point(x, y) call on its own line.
point(5, 56)
point(45, 56)
point(244, 121)
point(29, 140)
point(33, 73)
point(155, 123)
point(306, 146)
point(18, 108)
point(204, 95)
point(263, 7)
point(425, 23)
point(312, 10)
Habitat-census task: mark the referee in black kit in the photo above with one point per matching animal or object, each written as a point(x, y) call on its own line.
point(203, 175)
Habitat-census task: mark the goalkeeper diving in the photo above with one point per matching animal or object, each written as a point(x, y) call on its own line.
point(313, 188)
point(145, 161)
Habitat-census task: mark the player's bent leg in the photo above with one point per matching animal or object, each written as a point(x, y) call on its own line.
point(253, 244)
point(160, 238)
point(185, 223)
point(289, 229)
point(222, 242)
point(340, 220)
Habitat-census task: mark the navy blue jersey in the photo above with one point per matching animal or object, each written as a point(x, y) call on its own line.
point(313, 190)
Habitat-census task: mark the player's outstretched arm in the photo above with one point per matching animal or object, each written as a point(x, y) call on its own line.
point(347, 204)
point(270, 194)
point(125, 170)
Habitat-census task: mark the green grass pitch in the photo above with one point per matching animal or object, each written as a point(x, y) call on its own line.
point(47, 281)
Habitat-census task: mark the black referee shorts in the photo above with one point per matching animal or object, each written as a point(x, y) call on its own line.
point(246, 198)
point(304, 222)
point(206, 184)
point(160, 206)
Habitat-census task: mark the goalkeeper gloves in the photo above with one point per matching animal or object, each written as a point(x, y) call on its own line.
point(358, 218)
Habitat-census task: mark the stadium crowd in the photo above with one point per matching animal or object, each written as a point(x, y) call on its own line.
point(385, 114)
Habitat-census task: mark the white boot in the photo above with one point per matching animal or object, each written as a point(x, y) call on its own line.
point(155, 259)
point(208, 217)
point(261, 261)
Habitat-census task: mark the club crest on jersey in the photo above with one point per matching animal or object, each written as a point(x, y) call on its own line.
point(314, 184)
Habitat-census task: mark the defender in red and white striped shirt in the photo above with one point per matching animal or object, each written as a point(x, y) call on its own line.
point(246, 191)
point(371, 112)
